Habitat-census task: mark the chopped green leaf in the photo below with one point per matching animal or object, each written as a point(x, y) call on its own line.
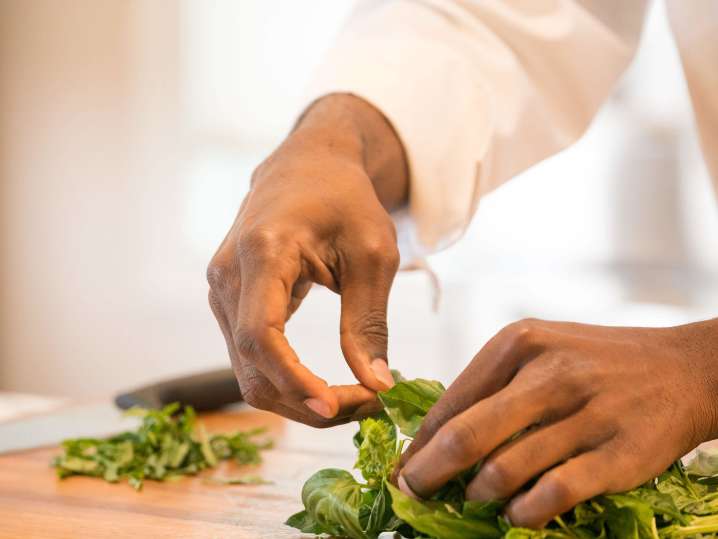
point(169, 443)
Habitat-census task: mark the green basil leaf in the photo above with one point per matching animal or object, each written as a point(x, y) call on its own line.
point(481, 510)
point(408, 402)
point(660, 503)
point(379, 516)
point(304, 522)
point(333, 498)
point(628, 516)
point(439, 520)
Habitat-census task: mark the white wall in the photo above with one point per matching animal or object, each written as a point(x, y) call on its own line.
point(90, 139)
point(128, 130)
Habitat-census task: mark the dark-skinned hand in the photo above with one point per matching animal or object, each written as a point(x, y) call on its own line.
point(317, 212)
point(599, 409)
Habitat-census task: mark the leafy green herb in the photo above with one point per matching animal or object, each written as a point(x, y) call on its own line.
point(680, 503)
point(439, 519)
point(167, 444)
point(377, 449)
point(408, 402)
point(332, 499)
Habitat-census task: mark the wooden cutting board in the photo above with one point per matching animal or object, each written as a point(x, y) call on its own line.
point(35, 504)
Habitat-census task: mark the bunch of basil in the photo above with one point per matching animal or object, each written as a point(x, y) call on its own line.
point(681, 503)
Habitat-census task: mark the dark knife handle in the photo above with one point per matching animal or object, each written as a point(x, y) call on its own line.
point(205, 391)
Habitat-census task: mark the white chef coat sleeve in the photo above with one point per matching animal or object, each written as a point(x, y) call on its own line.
point(477, 91)
point(695, 26)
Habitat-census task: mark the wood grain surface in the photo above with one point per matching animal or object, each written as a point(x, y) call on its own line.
point(35, 504)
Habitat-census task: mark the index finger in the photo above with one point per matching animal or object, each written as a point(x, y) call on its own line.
point(490, 371)
point(258, 335)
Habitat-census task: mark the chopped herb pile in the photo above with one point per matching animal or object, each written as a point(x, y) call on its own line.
point(680, 503)
point(169, 443)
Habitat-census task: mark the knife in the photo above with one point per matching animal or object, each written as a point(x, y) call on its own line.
point(205, 391)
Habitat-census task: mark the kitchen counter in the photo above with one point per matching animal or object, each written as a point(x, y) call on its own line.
point(14, 405)
point(35, 504)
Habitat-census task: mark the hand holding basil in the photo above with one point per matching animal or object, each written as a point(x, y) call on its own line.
point(680, 503)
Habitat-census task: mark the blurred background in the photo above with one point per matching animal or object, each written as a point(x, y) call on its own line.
point(128, 132)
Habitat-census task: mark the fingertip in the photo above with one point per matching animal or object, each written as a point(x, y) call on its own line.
point(512, 511)
point(380, 368)
point(520, 513)
point(405, 488)
point(372, 373)
point(312, 390)
point(320, 407)
point(356, 400)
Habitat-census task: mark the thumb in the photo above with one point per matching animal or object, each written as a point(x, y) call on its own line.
point(363, 326)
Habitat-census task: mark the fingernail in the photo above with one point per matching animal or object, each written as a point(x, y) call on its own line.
point(478, 491)
point(382, 372)
point(319, 407)
point(513, 510)
point(405, 488)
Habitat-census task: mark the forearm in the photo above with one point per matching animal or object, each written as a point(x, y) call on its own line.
point(346, 125)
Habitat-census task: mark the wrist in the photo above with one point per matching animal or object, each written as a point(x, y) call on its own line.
point(347, 127)
point(697, 343)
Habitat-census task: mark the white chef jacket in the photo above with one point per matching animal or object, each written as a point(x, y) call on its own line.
point(480, 90)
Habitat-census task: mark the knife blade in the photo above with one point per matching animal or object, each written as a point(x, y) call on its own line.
point(205, 391)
